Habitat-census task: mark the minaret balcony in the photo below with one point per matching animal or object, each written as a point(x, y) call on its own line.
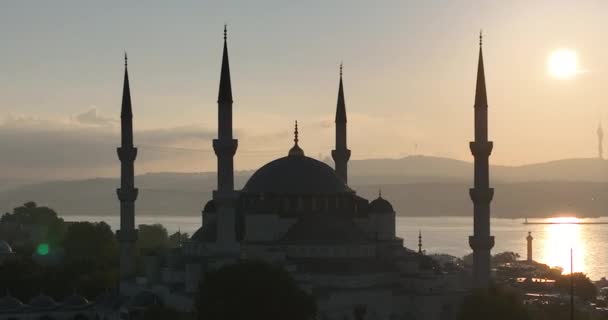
point(126, 153)
point(129, 195)
point(481, 148)
point(481, 243)
point(481, 195)
point(340, 154)
point(225, 146)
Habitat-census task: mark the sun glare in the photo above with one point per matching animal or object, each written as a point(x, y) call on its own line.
point(563, 63)
point(564, 220)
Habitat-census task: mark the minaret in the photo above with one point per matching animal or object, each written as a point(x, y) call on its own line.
point(600, 141)
point(529, 239)
point(341, 154)
point(481, 194)
point(127, 193)
point(225, 148)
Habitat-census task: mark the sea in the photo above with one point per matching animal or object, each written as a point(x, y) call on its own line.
point(552, 243)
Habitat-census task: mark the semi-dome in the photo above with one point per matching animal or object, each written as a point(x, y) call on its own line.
point(42, 301)
point(380, 205)
point(206, 233)
point(5, 248)
point(295, 174)
point(9, 302)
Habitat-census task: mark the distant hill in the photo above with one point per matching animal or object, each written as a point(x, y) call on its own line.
point(416, 185)
point(435, 169)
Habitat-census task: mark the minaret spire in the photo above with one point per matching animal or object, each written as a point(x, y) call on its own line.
point(127, 193)
point(481, 194)
point(341, 154)
point(225, 147)
point(225, 92)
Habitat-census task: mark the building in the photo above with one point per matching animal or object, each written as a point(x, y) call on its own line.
point(302, 214)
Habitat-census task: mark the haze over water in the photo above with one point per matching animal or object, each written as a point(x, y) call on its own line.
point(551, 244)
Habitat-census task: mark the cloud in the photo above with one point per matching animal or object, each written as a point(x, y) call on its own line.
point(92, 117)
point(84, 145)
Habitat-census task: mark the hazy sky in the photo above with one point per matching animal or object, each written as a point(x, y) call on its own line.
point(409, 72)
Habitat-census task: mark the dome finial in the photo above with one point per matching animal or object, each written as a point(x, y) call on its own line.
point(296, 150)
point(225, 31)
point(420, 241)
point(341, 66)
point(480, 37)
point(295, 134)
point(126, 59)
point(379, 193)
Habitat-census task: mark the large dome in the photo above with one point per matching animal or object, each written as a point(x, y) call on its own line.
point(295, 174)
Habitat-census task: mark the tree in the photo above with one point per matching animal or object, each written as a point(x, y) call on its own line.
point(494, 303)
point(152, 237)
point(90, 241)
point(177, 238)
point(31, 214)
point(252, 290)
point(91, 258)
point(583, 286)
point(504, 257)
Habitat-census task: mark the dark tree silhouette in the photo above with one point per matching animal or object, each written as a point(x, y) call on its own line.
point(152, 237)
point(252, 290)
point(31, 214)
point(494, 303)
point(583, 286)
point(91, 242)
point(504, 257)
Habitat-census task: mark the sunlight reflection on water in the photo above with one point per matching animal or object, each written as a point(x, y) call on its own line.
point(560, 238)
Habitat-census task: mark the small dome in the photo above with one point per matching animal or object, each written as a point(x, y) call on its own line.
point(380, 205)
point(42, 301)
point(296, 174)
point(5, 248)
point(75, 300)
point(9, 302)
point(210, 206)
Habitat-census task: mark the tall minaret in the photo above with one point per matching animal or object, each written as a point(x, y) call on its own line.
point(600, 141)
point(529, 251)
point(341, 154)
point(225, 148)
point(127, 193)
point(481, 242)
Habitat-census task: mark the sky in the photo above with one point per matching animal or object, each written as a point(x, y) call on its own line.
point(409, 76)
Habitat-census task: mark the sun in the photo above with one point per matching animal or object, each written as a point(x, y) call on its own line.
point(563, 63)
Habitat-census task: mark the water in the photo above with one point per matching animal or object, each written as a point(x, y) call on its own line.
point(551, 244)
